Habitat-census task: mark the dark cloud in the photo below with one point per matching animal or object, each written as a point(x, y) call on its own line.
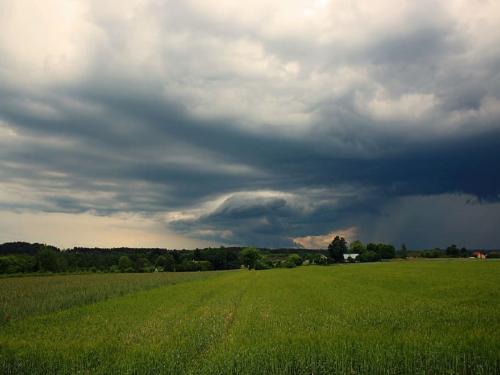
point(245, 137)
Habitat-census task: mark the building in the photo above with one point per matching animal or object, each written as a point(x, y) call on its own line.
point(479, 254)
point(352, 257)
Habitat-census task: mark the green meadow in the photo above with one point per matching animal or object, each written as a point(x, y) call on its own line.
point(407, 317)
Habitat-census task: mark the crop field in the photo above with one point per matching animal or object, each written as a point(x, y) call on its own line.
point(34, 295)
point(413, 317)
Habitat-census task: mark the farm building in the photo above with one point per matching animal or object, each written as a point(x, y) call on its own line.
point(479, 255)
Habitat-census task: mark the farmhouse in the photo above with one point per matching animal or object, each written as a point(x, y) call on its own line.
point(479, 254)
point(351, 256)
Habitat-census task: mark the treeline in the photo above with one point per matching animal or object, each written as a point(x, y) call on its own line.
point(450, 252)
point(22, 257)
point(374, 252)
point(357, 251)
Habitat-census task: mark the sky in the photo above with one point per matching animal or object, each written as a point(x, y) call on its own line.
point(193, 123)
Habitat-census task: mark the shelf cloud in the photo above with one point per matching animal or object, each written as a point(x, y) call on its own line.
point(259, 123)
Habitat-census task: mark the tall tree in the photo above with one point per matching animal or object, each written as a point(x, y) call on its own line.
point(47, 259)
point(249, 257)
point(452, 251)
point(197, 254)
point(125, 264)
point(386, 251)
point(337, 249)
point(357, 247)
point(403, 252)
point(166, 262)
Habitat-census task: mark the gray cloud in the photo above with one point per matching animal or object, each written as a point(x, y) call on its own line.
point(256, 128)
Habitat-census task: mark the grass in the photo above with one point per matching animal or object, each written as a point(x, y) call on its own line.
point(387, 318)
point(31, 295)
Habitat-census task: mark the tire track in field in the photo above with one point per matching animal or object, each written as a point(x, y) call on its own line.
point(203, 354)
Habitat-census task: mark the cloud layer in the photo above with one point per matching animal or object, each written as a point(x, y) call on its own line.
point(255, 123)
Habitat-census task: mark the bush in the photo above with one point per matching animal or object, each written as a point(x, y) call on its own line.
point(350, 259)
point(295, 258)
point(369, 256)
point(114, 268)
point(320, 259)
point(262, 265)
point(249, 257)
point(436, 253)
point(194, 265)
point(17, 263)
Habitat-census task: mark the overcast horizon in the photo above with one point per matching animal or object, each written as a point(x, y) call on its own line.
point(269, 123)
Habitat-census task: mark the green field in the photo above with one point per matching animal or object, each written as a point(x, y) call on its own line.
point(32, 295)
point(421, 317)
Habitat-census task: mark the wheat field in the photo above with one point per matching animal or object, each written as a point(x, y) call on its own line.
point(421, 317)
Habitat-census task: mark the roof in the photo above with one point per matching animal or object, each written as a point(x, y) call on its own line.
point(353, 256)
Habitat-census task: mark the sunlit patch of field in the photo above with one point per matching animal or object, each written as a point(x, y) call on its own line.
point(387, 318)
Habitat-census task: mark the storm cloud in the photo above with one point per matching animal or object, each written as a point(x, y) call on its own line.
point(261, 123)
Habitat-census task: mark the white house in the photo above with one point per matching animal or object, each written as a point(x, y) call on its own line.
point(352, 256)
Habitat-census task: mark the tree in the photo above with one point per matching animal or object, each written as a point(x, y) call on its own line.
point(220, 258)
point(166, 262)
point(403, 252)
point(125, 264)
point(17, 263)
point(372, 247)
point(357, 247)
point(249, 257)
point(295, 259)
point(337, 249)
point(435, 253)
point(369, 256)
point(386, 251)
point(142, 264)
point(176, 256)
point(263, 264)
point(47, 260)
point(197, 254)
point(452, 251)
point(194, 265)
